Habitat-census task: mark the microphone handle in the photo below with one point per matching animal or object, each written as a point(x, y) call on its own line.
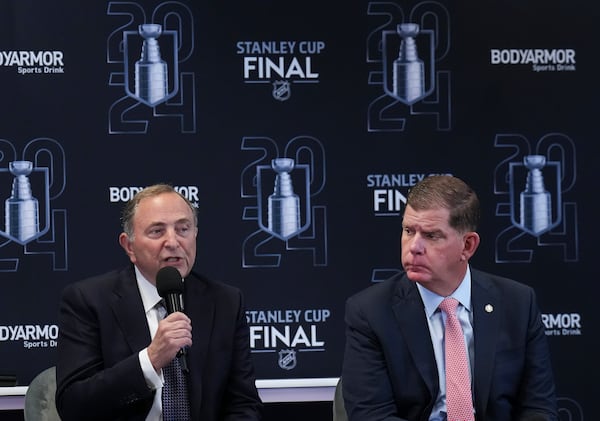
point(182, 355)
point(173, 303)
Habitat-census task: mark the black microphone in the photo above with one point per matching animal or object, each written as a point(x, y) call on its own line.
point(169, 284)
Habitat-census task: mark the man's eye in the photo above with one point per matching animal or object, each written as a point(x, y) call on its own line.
point(183, 230)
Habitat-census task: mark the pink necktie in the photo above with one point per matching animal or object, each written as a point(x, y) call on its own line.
point(459, 401)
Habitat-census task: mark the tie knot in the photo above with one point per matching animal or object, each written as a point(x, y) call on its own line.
point(161, 309)
point(448, 305)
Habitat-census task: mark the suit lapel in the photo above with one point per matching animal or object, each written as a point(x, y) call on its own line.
point(408, 309)
point(129, 311)
point(487, 310)
point(200, 308)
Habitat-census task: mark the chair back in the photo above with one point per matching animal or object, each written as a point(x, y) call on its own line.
point(40, 402)
point(339, 410)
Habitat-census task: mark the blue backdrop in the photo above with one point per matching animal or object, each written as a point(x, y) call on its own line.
point(297, 129)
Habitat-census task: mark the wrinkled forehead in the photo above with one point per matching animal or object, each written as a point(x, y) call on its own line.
point(164, 207)
point(431, 218)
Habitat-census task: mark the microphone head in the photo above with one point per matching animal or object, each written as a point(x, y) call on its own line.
point(169, 281)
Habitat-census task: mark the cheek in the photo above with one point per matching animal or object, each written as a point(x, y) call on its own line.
point(451, 254)
point(146, 249)
point(404, 242)
point(190, 246)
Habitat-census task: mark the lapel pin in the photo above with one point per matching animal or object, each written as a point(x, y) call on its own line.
point(489, 308)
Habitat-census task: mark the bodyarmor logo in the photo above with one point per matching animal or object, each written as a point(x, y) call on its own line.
point(34, 62)
point(540, 59)
point(149, 74)
point(283, 216)
point(287, 359)
point(33, 336)
point(404, 71)
point(563, 324)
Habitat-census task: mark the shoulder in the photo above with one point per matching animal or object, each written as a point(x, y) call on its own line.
point(198, 283)
point(88, 298)
point(100, 285)
point(383, 291)
point(486, 278)
point(501, 286)
point(204, 296)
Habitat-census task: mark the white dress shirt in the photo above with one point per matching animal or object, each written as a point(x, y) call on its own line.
point(154, 381)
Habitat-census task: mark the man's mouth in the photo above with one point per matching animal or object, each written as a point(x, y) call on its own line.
point(415, 268)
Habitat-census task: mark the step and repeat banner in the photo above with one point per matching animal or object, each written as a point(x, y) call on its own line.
point(297, 128)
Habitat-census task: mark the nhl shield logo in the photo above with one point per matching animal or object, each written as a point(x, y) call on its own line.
point(281, 90)
point(26, 205)
point(287, 359)
point(151, 67)
point(285, 212)
point(408, 63)
point(535, 194)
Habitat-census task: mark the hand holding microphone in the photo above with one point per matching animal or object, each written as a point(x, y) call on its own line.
point(169, 284)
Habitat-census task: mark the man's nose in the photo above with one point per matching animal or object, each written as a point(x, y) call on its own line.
point(171, 238)
point(417, 245)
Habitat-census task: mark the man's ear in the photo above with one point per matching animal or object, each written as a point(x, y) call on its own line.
point(126, 244)
point(471, 242)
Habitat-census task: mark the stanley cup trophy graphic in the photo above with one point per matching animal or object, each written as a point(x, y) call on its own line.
point(151, 74)
point(21, 208)
point(408, 69)
point(284, 205)
point(535, 210)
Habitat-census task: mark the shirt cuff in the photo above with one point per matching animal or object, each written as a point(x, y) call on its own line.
point(153, 380)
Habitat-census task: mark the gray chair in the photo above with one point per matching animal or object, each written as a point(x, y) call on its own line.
point(339, 410)
point(40, 403)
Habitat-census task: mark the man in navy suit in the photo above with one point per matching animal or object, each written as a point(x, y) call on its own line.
point(113, 345)
point(393, 365)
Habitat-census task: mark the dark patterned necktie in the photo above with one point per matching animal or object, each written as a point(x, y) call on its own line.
point(175, 399)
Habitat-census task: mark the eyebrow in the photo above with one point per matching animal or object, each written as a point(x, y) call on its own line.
point(178, 221)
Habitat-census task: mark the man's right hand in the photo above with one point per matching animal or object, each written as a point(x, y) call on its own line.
point(174, 332)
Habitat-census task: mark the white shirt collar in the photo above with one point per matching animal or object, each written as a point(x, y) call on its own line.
point(148, 291)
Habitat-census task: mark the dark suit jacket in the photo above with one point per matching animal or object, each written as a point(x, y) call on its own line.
point(103, 327)
point(389, 368)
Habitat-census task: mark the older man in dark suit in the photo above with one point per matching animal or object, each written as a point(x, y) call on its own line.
point(114, 345)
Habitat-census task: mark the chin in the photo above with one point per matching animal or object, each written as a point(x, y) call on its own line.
point(417, 276)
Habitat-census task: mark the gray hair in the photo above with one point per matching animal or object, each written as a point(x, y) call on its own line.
point(157, 189)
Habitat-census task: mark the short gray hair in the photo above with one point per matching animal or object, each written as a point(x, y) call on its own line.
point(154, 190)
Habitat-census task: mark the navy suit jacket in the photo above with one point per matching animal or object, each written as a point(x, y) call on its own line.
point(103, 327)
point(389, 367)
